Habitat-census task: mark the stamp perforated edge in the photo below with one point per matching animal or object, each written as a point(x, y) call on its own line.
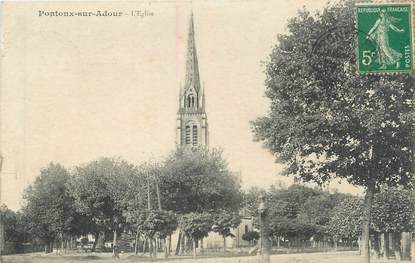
point(388, 2)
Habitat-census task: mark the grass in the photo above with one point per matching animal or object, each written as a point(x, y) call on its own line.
point(327, 257)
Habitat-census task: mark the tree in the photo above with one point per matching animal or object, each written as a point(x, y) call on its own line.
point(326, 120)
point(48, 207)
point(346, 219)
point(224, 222)
point(250, 236)
point(15, 231)
point(197, 226)
point(99, 190)
point(151, 224)
point(197, 180)
point(392, 212)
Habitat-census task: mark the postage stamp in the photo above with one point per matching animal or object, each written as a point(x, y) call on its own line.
point(384, 43)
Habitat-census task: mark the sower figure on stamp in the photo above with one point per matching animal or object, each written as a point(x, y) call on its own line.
point(264, 242)
point(380, 34)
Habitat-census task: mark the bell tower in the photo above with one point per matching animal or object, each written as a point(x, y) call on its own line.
point(192, 126)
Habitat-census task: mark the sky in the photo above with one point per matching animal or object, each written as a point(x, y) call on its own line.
point(74, 89)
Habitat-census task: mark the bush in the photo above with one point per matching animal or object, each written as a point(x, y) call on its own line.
point(250, 236)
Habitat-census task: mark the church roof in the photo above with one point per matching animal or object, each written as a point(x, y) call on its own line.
point(192, 68)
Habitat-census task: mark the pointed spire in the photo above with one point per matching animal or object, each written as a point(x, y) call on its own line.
point(192, 67)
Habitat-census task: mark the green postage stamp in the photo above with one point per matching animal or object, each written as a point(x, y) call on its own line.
point(384, 37)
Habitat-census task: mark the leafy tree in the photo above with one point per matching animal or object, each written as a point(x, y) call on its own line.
point(295, 230)
point(48, 207)
point(346, 219)
point(393, 210)
point(289, 202)
point(328, 121)
point(99, 190)
point(155, 223)
point(224, 222)
point(198, 180)
point(13, 225)
point(197, 226)
point(136, 202)
point(250, 236)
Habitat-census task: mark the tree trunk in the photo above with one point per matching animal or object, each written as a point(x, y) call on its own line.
point(62, 243)
point(406, 246)
point(413, 247)
point(166, 247)
point(47, 247)
point(144, 245)
point(224, 243)
point(68, 243)
point(179, 240)
point(101, 240)
point(335, 244)
point(115, 245)
point(154, 248)
point(169, 248)
point(366, 222)
point(194, 248)
point(137, 239)
point(385, 246)
point(397, 246)
point(150, 247)
point(182, 245)
point(188, 245)
point(51, 246)
point(96, 236)
point(375, 245)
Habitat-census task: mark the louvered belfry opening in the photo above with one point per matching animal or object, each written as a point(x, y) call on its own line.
point(195, 138)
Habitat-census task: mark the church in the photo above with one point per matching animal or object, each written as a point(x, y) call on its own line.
point(192, 126)
point(192, 130)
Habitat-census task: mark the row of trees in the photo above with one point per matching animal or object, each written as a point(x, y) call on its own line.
point(299, 214)
point(392, 218)
point(192, 190)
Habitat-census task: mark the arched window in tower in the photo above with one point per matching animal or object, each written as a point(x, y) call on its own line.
point(194, 133)
point(188, 136)
point(191, 101)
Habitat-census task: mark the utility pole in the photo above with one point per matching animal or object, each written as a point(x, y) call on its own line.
point(264, 242)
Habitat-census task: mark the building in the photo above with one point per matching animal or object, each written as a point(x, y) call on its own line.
point(192, 126)
point(192, 130)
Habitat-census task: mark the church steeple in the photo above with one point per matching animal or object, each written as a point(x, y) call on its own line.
point(192, 67)
point(192, 128)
